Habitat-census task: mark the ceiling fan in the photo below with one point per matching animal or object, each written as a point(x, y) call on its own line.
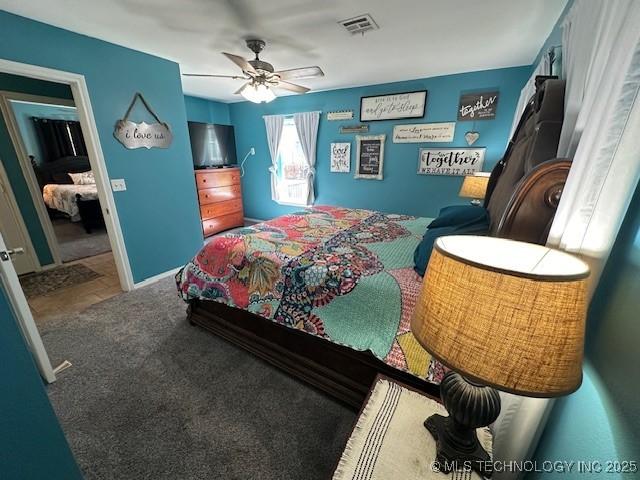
point(261, 77)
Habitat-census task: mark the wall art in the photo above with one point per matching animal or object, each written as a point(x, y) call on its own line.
point(340, 115)
point(471, 137)
point(341, 157)
point(393, 107)
point(478, 106)
point(450, 161)
point(424, 132)
point(370, 156)
point(138, 135)
point(354, 128)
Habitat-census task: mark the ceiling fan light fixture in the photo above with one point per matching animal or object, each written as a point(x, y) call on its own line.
point(257, 93)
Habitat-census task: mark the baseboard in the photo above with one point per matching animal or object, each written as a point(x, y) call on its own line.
point(251, 221)
point(155, 278)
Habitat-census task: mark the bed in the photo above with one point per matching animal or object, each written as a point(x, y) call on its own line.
point(65, 197)
point(305, 291)
point(79, 203)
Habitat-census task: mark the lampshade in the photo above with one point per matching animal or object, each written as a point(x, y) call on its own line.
point(506, 314)
point(257, 93)
point(475, 186)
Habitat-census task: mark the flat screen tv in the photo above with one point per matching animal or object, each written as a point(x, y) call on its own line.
point(212, 145)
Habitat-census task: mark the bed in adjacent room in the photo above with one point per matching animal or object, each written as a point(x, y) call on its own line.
point(69, 187)
point(64, 198)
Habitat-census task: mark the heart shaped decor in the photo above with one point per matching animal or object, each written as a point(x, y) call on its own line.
point(471, 137)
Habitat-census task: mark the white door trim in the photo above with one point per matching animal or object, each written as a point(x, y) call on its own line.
point(21, 310)
point(25, 165)
point(22, 227)
point(82, 103)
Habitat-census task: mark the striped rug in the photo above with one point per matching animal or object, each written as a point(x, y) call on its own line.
point(389, 441)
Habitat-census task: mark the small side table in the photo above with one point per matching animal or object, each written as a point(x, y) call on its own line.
point(389, 441)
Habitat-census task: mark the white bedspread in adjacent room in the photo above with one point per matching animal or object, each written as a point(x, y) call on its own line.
point(63, 197)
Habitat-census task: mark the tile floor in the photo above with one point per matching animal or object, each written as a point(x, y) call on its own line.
point(79, 297)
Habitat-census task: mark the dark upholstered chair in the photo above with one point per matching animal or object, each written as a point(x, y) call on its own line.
point(525, 186)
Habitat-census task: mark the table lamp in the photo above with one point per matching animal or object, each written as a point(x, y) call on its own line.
point(501, 315)
point(474, 187)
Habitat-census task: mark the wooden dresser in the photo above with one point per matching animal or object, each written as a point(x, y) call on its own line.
point(220, 198)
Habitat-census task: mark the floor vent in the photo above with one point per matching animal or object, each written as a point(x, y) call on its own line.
point(360, 24)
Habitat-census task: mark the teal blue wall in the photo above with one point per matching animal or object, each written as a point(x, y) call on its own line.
point(402, 190)
point(24, 112)
point(601, 421)
point(206, 111)
point(11, 164)
point(32, 445)
point(159, 211)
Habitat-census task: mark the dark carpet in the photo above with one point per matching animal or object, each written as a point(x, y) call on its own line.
point(151, 397)
point(75, 243)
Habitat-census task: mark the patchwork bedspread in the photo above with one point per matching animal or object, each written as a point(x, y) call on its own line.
point(342, 274)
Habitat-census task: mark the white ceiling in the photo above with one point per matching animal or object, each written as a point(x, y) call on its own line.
point(417, 38)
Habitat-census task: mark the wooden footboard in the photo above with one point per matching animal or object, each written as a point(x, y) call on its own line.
point(342, 372)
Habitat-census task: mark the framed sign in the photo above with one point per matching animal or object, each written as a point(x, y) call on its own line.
point(341, 157)
point(393, 107)
point(450, 161)
point(478, 106)
point(340, 115)
point(370, 156)
point(142, 135)
point(424, 132)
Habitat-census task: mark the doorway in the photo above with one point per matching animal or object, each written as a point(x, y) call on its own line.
point(32, 224)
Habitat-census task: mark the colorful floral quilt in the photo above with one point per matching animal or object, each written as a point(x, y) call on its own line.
point(342, 274)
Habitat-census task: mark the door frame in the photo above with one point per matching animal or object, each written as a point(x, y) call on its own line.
point(25, 165)
point(82, 103)
point(22, 226)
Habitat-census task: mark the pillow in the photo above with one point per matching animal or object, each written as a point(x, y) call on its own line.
point(457, 215)
point(84, 178)
point(61, 178)
point(467, 224)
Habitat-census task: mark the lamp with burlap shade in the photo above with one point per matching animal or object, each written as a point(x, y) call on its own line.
point(502, 314)
point(474, 186)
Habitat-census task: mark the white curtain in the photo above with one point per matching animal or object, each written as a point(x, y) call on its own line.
point(529, 89)
point(307, 128)
point(273, 124)
point(601, 51)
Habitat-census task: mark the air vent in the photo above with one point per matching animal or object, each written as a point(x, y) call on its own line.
point(360, 24)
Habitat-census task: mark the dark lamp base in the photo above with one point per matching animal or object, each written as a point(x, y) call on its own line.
point(470, 406)
point(450, 454)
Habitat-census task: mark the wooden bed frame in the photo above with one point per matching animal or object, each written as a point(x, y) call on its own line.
point(525, 213)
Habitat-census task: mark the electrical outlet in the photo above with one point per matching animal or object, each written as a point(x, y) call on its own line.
point(252, 151)
point(118, 185)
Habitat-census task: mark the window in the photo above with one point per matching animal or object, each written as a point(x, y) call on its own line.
point(293, 170)
point(292, 146)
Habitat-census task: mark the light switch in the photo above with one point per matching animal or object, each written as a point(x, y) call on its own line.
point(118, 185)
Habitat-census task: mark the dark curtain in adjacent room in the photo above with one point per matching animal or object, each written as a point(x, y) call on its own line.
point(59, 138)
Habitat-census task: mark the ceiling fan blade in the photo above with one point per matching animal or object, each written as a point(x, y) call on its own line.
point(292, 87)
point(297, 73)
point(237, 92)
point(235, 77)
point(241, 62)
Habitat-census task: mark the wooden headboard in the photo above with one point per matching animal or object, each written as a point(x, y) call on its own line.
point(49, 171)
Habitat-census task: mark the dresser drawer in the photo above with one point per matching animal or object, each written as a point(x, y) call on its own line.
point(220, 208)
point(224, 222)
point(217, 178)
point(219, 194)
